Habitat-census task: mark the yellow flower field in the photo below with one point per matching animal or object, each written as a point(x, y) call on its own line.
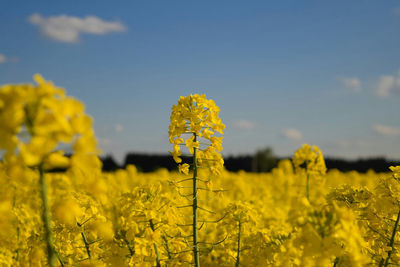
point(297, 215)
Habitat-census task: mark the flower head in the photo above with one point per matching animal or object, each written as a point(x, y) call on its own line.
point(310, 159)
point(196, 115)
point(36, 119)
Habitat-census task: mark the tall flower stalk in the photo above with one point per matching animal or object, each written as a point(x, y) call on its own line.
point(308, 160)
point(43, 118)
point(197, 116)
point(195, 229)
point(46, 218)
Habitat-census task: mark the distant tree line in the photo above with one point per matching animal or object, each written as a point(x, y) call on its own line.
point(263, 160)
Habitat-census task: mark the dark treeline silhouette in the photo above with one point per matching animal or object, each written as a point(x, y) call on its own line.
point(379, 164)
point(143, 162)
point(149, 163)
point(261, 161)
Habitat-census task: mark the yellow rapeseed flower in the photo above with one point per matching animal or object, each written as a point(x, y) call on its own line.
point(184, 168)
point(396, 171)
point(196, 115)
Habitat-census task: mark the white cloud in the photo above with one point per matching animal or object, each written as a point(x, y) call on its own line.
point(386, 130)
point(243, 124)
point(388, 84)
point(385, 85)
point(3, 58)
point(292, 134)
point(67, 29)
point(398, 79)
point(118, 128)
point(352, 83)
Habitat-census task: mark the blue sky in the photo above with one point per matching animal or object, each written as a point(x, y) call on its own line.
point(284, 73)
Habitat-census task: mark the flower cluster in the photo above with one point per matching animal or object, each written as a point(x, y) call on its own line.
point(310, 159)
point(198, 116)
point(396, 171)
point(37, 119)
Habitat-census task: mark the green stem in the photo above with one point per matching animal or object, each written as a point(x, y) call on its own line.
point(308, 187)
point(336, 262)
point(131, 250)
point(59, 259)
point(167, 247)
point(158, 263)
point(196, 253)
point(17, 251)
point(46, 218)
point(391, 243)
point(86, 245)
point(238, 245)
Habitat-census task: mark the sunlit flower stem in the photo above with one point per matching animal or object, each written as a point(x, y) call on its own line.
point(158, 263)
point(195, 229)
point(336, 262)
point(308, 187)
point(238, 244)
point(87, 246)
point(391, 243)
point(46, 218)
point(196, 115)
point(167, 247)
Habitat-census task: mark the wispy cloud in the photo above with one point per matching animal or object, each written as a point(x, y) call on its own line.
point(387, 85)
point(386, 130)
point(292, 134)
point(243, 124)
point(67, 29)
point(352, 83)
point(3, 59)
